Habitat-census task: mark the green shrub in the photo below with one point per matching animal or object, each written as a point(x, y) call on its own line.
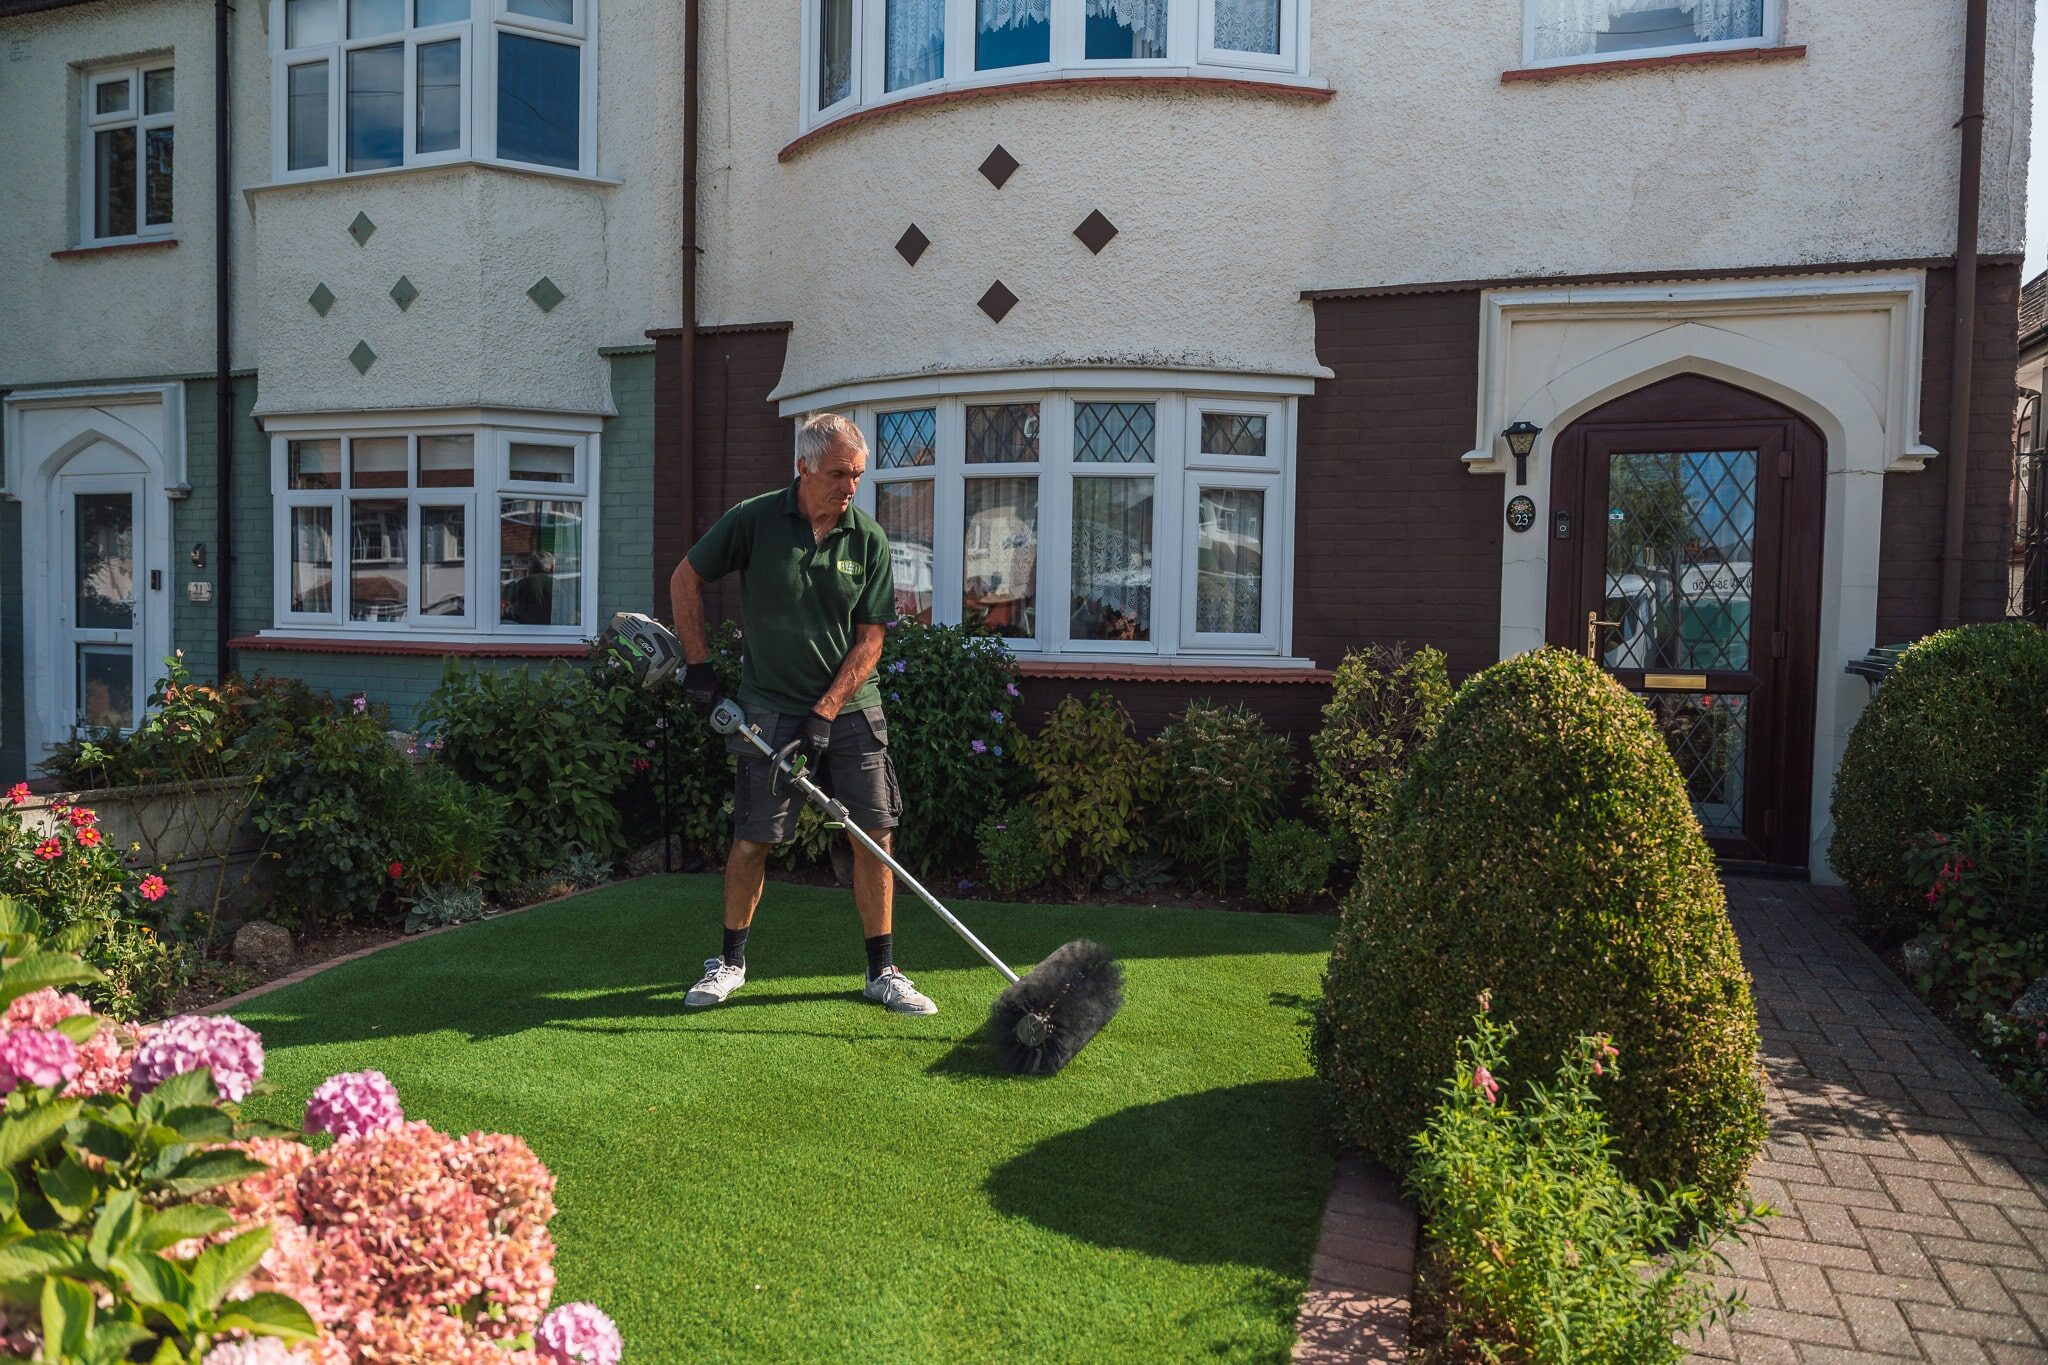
point(1384, 704)
point(587, 869)
point(1985, 893)
point(141, 970)
point(437, 907)
point(666, 741)
point(1538, 1249)
point(811, 843)
point(449, 832)
point(1093, 782)
point(1013, 851)
point(1542, 847)
point(1289, 863)
point(1962, 721)
point(1223, 777)
point(551, 740)
point(950, 693)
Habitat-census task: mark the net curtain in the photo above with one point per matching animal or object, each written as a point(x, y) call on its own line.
point(917, 28)
point(1566, 28)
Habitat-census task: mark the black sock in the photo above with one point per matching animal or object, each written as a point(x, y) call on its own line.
point(735, 953)
point(881, 955)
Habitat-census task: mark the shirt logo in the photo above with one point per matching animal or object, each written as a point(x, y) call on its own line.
point(849, 567)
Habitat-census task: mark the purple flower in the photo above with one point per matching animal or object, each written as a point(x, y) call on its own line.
point(1011, 688)
point(892, 696)
point(352, 1104)
point(996, 716)
point(978, 747)
point(231, 1051)
point(997, 751)
point(650, 746)
point(360, 705)
point(965, 885)
point(579, 1334)
point(36, 1056)
point(899, 667)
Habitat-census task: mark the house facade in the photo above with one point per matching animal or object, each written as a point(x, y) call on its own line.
point(1194, 339)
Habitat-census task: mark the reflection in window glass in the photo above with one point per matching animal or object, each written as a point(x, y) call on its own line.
point(444, 563)
point(1586, 28)
point(377, 462)
point(1234, 433)
point(156, 199)
point(554, 11)
point(376, 107)
point(106, 686)
point(312, 559)
point(431, 12)
point(1230, 540)
point(306, 116)
point(158, 91)
point(447, 461)
point(915, 43)
point(1120, 30)
point(369, 18)
point(1112, 584)
point(906, 439)
point(308, 22)
point(1011, 33)
point(104, 559)
point(376, 559)
point(438, 97)
point(539, 101)
point(905, 511)
point(111, 97)
point(114, 182)
point(1113, 433)
point(1001, 551)
point(1002, 433)
point(532, 462)
point(313, 464)
point(1248, 25)
point(835, 51)
point(540, 562)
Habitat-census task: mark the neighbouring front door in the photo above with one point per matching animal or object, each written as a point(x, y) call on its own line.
point(1686, 523)
point(100, 658)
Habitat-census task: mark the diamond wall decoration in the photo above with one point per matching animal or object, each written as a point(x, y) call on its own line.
point(912, 244)
point(998, 301)
point(998, 166)
point(322, 299)
point(361, 229)
point(1095, 231)
point(545, 294)
point(403, 293)
point(362, 357)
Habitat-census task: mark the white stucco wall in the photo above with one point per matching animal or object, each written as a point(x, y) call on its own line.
point(1424, 166)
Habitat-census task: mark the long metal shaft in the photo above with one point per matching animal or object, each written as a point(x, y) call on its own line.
point(838, 812)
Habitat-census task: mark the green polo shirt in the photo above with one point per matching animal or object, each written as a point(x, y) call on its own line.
point(801, 596)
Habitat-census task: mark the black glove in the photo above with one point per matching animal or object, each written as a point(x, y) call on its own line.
point(700, 686)
point(813, 737)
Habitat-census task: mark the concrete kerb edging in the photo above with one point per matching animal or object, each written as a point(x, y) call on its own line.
point(1362, 1281)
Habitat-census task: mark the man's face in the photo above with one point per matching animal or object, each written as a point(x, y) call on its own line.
point(830, 487)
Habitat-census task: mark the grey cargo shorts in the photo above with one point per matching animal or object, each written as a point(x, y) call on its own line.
point(856, 769)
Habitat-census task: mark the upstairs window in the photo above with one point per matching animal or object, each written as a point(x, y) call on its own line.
point(365, 85)
point(1589, 30)
point(128, 154)
point(865, 52)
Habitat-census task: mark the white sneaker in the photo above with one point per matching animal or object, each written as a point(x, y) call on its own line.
point(720, 980)
point(893, 989)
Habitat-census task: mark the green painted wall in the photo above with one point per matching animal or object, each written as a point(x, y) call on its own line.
point(625, 558)
point(13, 714)
point(195, 521)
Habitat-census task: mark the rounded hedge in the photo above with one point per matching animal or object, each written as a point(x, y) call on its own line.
point(1542, 849)
point(1961, 721)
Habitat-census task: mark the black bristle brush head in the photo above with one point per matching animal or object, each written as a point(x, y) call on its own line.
point(1041, 1022)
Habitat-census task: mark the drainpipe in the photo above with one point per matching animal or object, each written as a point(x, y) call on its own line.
point(688, 418)
point(223, 386)
point(1963, 352)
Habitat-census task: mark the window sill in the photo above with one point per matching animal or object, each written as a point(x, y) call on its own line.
point(110, 248)
point(1173, 671)
point(471, 164)
point(1711, 57)
point(1279, 86)
point(463, 649)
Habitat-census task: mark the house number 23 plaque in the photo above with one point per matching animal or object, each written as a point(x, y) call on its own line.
point(1521, 512)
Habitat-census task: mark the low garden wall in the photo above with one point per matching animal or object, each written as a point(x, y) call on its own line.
point(198, 833)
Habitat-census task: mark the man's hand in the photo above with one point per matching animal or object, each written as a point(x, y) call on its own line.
point(700, 686)
point(813, 737)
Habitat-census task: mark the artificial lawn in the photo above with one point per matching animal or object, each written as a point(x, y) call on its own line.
point(797, 1175)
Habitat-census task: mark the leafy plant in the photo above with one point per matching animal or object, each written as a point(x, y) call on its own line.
point(437, 907)
point(950, 695)
point(1224, 775)
point(812, 842)
point(669, 745)
point(1539, 1250)
point(1093, 782)
point(448, 832)
point(586, 869)
point(1140, 874)
point(1013, 851)
point(1384, 704)
point(1289, 863)
point(1986, 907)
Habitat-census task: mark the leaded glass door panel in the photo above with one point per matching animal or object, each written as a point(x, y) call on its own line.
point(100, 538)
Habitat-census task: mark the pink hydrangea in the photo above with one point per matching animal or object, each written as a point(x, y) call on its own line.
point(103, 1059)
point(231, 1051)
point(36, 1056)
point(254, 1351)
point(579, 1334)
point(353, 1103)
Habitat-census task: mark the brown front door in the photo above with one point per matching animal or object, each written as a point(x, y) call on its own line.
point(1686, 524)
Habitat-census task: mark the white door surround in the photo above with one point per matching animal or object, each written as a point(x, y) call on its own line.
point(60, 442)
point(1841, 350)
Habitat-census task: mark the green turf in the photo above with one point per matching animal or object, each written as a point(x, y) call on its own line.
point(799, 1176)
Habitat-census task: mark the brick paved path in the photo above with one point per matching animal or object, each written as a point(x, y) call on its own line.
point(1910, 1187)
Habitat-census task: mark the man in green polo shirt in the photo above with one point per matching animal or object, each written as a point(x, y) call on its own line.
point(816, 592)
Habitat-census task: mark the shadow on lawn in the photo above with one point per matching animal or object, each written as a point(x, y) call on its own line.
point(1230, 1176)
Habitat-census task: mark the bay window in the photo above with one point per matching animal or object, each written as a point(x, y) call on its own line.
point(1089, 523)
point(365, 85)
point(1590, 30)
point(443, 530)
point(128, 154)
point(865, 52)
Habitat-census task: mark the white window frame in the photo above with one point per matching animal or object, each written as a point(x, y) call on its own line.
point(1773, 19)
point(1179, 469)
point(88, 161)
point(478, 139)
point(492, 434)
point(1191, 51)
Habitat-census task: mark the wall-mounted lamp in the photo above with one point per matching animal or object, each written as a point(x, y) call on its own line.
point(1521, 439)
point(199, 554)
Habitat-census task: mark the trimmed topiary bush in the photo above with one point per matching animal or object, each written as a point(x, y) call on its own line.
point(1962, 721)
point(1384, 704)
point(1542, 848)
point(1289, 863)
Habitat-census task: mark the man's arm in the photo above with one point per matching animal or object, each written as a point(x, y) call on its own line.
point(853, 671)
point(686, 598)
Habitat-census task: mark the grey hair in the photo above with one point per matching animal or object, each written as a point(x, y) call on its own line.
point(821, 433)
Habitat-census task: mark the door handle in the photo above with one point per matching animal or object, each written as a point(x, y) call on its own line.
point(1593, 625)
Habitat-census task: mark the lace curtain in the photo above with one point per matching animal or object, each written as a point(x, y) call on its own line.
point(1248, 25)
point(1145, 18)
point(1568, 28)
point(1000, 14)
point(1229, 560)
point(916, 43)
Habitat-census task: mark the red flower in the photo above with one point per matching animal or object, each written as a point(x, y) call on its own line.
point(18, 794)
point(152, 887)
point(59, 807)
point(49, 850)
point(397, 870)
point(641, 765)
point(88, 837)
point(80, 817)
